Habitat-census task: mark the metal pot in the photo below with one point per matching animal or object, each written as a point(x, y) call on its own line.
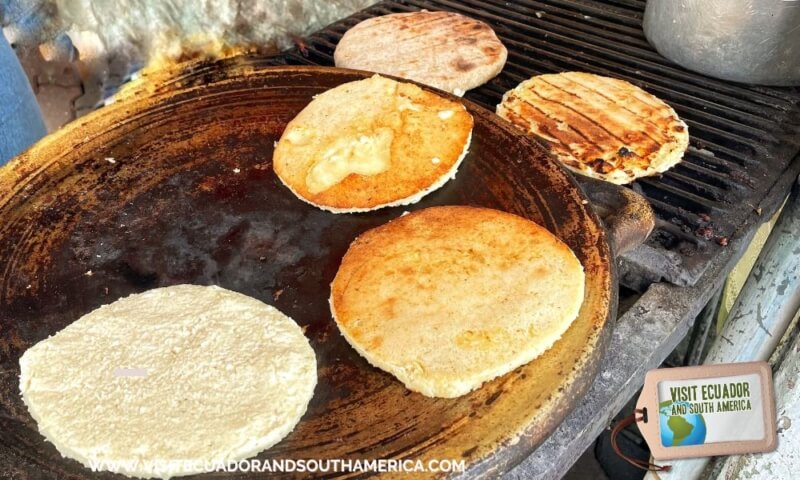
point(750, 41)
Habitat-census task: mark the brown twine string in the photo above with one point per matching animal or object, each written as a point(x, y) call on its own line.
point(618, 427)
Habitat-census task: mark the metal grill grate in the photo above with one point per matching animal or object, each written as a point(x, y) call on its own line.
point(743, 139)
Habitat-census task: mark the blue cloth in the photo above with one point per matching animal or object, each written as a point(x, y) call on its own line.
point(20, 118)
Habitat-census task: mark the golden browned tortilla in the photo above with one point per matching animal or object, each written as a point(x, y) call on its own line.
point(441, 49)
point(447, 298)
point(597, 126)
point(372, 143)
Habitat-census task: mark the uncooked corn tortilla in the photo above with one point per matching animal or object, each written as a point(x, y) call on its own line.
point(182, 373)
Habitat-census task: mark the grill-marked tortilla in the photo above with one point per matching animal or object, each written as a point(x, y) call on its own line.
point(441, 49)
point(372, 143)
point(597, 126)
point(183, 373)
point(447, 298)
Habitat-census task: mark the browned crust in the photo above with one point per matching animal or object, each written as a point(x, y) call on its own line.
point(442, 49)
point(447, 298)
point(423, 225)
point(598, 126)
point(419, 136)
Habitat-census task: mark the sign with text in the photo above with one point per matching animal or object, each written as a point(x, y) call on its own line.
point(708, 410)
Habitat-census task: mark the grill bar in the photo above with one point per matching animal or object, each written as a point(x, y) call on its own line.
point(743, 138)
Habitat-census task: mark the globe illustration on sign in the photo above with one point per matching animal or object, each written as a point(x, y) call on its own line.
point(680, 430)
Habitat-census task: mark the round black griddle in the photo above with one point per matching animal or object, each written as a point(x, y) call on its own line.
point(174, 184)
